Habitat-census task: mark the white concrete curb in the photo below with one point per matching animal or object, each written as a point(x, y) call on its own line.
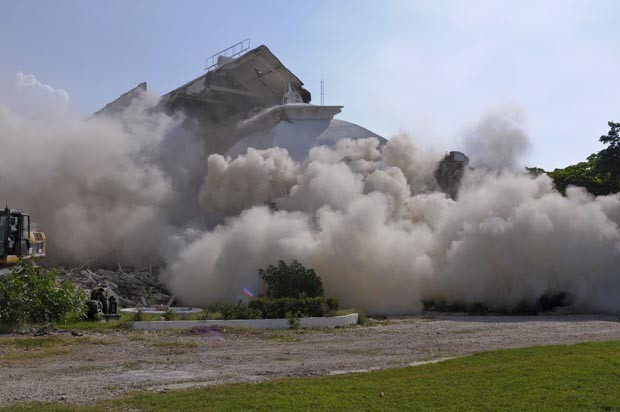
point(177, 310)
point(321, 323)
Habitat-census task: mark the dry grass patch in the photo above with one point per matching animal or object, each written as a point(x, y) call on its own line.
point(29, 348)
point(174, 347)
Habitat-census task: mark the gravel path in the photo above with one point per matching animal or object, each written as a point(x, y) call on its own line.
point(103, 365)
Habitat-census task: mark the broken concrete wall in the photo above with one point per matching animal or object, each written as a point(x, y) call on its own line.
point(450, 172)
point(123, 102)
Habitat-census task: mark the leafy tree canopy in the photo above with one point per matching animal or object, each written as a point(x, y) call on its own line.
point(31, 295)
point(291, 281)
point(535, 171)
point(599, 174)
point(608, 159)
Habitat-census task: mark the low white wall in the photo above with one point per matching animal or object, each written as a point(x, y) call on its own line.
point(177, 310)
point(321, 323)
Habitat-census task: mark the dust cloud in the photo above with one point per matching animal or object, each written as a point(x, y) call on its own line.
point(367, 216)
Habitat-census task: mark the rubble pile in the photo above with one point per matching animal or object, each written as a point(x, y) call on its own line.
point(133, 287)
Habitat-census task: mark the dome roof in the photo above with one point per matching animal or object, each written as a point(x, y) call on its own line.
point(299, 133)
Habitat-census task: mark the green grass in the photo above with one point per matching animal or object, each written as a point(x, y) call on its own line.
point(38, 347)
point(583, 377)
point(90, 326)
point(32, 348)
point(122, 323)
point(284, 336)
point(93, 326)
point(174, 347)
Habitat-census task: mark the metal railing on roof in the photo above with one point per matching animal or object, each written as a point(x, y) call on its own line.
point(233, 51)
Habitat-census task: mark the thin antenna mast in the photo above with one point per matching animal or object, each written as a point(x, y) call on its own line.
point(322, 93)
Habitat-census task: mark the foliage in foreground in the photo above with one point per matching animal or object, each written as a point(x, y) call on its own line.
point(599, 174)
point(265, 308)
point(31, 295)
point(228, 311)
point(582, 377)
point(280, 308)
point(293, 291)
point(546, 303)
point(90, 326)
point(291, 281)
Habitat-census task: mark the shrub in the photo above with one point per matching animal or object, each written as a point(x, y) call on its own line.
point(169, 314)
point(238, 311)
point(265, 308)
point(545, 303)
point(138, 316)
point(333, 304)
point(31, 295)
point(228, 311)
point(361, 319)
point(293, 320)
point(291, 281)
point(278, 308)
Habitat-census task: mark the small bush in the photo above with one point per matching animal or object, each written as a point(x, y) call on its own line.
point(361, 318)
point(545, 303)
point(291, 281)
point(265, 308)
point(168, 314)
point(230, 312)
point(31, 295)
point(138, 316)
point(333, 303)
point(293, 320)
point(305, 307)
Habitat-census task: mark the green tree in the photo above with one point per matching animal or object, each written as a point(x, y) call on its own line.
point(599, 174)
point(608, 162)
point(291, 281)
point(31, 295)
point(534, 171)
point(582, 174)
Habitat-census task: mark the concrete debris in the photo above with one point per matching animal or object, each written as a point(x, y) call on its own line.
point(132, 287)
point(214, 103)
point(45, 330)
point(450, 172)
point(122, 102)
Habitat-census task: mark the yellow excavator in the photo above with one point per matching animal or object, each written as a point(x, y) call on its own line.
point(17, 240)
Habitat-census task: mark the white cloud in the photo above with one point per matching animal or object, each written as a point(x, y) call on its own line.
point(435, 65)
point(29, 80)
point(24, 94)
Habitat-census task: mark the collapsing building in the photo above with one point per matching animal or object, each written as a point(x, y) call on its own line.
point(251, 100)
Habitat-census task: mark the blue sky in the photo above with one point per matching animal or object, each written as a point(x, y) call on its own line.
point(430, 68)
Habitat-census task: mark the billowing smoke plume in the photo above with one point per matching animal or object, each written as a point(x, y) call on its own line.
point(92, 185)
point(498, 140)
point(360, 217)
point(256, 178)
point(367, 216)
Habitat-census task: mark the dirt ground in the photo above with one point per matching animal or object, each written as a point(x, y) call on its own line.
point(102, 365)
